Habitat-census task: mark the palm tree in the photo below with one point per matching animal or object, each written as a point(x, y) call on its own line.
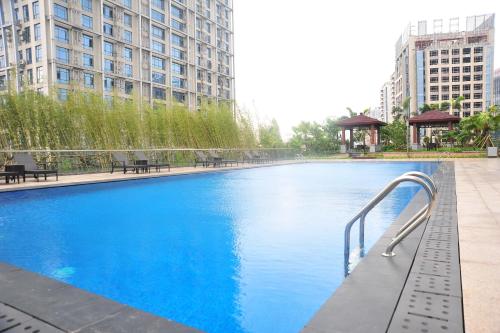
point(351, 113)
point(479, 127)
point(456, 104)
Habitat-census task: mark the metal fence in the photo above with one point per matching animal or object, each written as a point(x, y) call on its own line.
point(96, 161)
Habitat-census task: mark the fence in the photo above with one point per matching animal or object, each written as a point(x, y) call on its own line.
point(96, 161)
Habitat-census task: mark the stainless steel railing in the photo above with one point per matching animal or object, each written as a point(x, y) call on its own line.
point(414, 176)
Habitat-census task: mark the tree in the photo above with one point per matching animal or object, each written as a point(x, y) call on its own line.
point(397, 112)
point(456, 104)
point(394, 134)
point(351, 113)
point(444, 106)
point(269, 135)
point(424, 108)
point(316, 138)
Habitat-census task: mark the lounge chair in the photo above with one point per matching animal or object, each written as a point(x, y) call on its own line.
point(121, 161)
point(32, 168)
point(10, 175)
point(201, 158)
point(140, 156)
point(217, 159)
point(252, 157)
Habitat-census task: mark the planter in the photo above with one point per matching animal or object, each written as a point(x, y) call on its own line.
point(492, 151)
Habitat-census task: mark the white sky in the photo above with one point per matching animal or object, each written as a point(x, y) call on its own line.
point(308, 60)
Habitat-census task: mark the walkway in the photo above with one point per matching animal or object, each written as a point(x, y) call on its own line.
point(478, 196)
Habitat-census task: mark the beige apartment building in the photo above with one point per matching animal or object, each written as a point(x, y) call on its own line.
point(387, 101)
point(450, 61)
point(160, 50)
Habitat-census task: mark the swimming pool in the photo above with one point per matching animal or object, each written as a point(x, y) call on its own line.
point(254, 250)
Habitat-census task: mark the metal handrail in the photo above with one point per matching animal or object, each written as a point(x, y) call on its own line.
point(415, 177)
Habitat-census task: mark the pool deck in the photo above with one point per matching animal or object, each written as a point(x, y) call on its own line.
point(35, 300)
point(478, 196)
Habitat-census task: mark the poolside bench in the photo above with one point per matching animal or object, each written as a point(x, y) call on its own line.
point(141, 156)
point(30, 167)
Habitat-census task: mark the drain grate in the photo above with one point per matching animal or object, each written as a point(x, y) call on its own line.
point(15, 321)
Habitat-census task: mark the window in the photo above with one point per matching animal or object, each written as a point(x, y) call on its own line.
point(107, 12)
point(39, 74)
point(454, 96)
point(108, 29)
point(444, 70)
point(62, 54)
point(158, 32)
point(2, 61)
point(60, 12)
point(434, 70)
point(26, 13)
point(478, 77)
point(455, 88)
point(455, 61)
point(157, 62)
point(109, 65)
point(445, 88)
point(177, 40)
point(156, 15)
point(466, 60)
point(108, 48)
point(87, 5)
point(455, 70)
point(466, 96)
point(158, 3)
point(129, 87)
point(179, 97)
point(88, 80)
point(455, 52)
point(158, 77)
point(178, 82)
point(61, 34)
point(478, 95)
point(466, 78)
point(157, 46)
point(159, 93)
point(478, 105)
point(178, 69)
point(434, 79)
point(478, 59)
point(38, 53)
point(478, 49)
point(478, 68)
point(109, 84)
point(36, 10)
point(88, 60)
point(466, 87)
point(62, 75)
point(434, 88)
point(37, 31)
point(127, 53)
point(444, 52)
point(177, 12)
point(127, 3)
point(87, 42)
point(455, 78)
point(26, 36)
point(29, 58)
point(466, 69)
point(466, 50)
point(433, 61)
point(62, 94)
point(127, 70)
point(177, 25)
point(445, 79)
point(445, 97)
point(87, 22)
point(178, 54)
point(466, 105)
point(127, 20)
point(127, 36)
point(434, 98)
point(478, 86)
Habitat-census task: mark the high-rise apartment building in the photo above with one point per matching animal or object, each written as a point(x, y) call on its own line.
point(161, 50)
point(439, 66)
point(497, 87)
point(387, 102)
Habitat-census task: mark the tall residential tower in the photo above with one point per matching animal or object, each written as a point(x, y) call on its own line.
point(162, 50)
point(440, 65)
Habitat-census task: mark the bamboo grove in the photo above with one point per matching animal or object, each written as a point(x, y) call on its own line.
point(30, 120)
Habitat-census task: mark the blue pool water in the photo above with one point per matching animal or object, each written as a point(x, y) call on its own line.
point(255, 250)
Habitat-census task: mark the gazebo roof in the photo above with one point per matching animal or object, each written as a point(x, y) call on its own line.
point(360, 120)
point(434, 117)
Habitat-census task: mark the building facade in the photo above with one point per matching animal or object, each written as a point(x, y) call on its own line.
point(387, 102)
point(439, 66)
point(497, 87)
point(158, 50)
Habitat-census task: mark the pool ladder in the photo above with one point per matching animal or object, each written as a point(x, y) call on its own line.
point(423, 215)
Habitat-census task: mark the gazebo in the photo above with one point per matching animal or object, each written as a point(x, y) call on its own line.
point(361, 122)
point(431, 119)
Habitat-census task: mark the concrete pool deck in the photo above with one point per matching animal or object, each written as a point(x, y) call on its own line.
point(478, 213)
